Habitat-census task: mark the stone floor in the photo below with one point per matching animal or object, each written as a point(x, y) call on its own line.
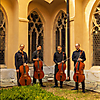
point(88, 85)
point(8, 78)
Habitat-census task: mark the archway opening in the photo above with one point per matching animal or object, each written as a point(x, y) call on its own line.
point(2, 36)
point(60, 30)
point(96, 36)
point(35, 33)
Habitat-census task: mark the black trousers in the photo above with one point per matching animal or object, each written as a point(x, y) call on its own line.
point(56, 82)
point(83, 85)
point(18, 77)
point(34, 79)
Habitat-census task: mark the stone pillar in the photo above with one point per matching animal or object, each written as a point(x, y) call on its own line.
point(23, 33)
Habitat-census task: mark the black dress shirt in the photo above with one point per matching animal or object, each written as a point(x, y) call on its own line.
point(58, 57)
point(19, 59)
point(34, 55)
point(76, 54)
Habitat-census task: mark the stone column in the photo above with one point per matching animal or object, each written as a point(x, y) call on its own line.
point(23, 33)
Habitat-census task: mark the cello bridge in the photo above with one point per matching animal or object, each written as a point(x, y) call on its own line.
point(25, 75)
point(61, 72)
point(77, 72)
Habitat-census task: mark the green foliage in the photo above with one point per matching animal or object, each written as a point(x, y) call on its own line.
point(34, 92)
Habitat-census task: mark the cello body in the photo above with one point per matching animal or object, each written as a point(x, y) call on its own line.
point(38, 74)
point(61, 76)
point(25, 79)
point(79, 75)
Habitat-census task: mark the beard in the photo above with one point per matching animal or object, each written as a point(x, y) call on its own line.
point(21, 49)
point(77, 48)
point(59, 50)
point(38, 50)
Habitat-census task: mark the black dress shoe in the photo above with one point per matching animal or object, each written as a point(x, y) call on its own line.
point(43, 86)
point(61, 87)
point(54, 86)
point(74, 89)
point(83, 91)
point(33, 84)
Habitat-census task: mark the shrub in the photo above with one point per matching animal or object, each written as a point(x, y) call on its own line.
point(34, 92)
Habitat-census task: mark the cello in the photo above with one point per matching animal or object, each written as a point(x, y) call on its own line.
point(61, 76)
point(25, 78)
point(38, 74)
point(79, 66)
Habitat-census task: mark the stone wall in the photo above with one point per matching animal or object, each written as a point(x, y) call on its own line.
point(92, 77)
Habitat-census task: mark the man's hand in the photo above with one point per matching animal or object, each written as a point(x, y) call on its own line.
point(17, 70)
point(58, 63)
point(79, 59)
point(62, 61)
point(24, 64)
point(37, 59)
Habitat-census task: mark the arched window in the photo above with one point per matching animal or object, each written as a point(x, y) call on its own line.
point(60, 30)
point(96, 36)
point(2, 38)
point(35, 33)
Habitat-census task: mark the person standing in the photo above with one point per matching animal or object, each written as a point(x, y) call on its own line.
point(37, 58)
point(75, 58)
point(19, 61)
point(58, 57)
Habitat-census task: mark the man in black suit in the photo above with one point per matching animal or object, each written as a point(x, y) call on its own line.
point(35, 58)
point(75, 58)
point(58, 57)
point(19, 61)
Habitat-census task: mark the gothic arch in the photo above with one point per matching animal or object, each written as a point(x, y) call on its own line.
point(60, 30)
point(3, 35)
point(35, 32)
point(39, 13)
point(95, 34)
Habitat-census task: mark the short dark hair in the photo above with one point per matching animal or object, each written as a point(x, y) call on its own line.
point(38, 45)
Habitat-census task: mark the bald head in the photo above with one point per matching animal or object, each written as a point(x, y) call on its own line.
point(77, 46)
point(22, 47)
